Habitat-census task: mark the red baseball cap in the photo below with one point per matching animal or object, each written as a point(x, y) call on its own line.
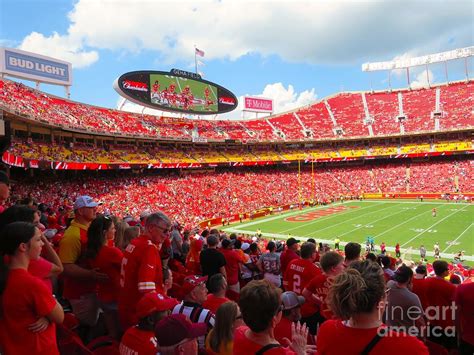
point(154, 302)
point(175, 328)
point(190, 282)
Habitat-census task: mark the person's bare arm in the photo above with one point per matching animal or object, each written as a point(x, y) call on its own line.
point(50, 255)
point(77, 272)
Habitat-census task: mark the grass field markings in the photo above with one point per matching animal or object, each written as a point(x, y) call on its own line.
point(338, 214)
point(434, 224)
point(417, 202)
point(409, 251)
point(285, 215)
point(372, 222)
point(399, 224)
point(460, 235)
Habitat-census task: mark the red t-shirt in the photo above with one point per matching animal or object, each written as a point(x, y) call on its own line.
point(232, 265)
point(335, 338)
point(137, 341)
point(419, 288)
point(297, 276)
point(244, 346)
point(282, 330)
point(286, 257)
point(213, 303)
point(320, 287)
point(439, 292)
point(41, 268)
point(109, 261)
point(141, 273)
point(464, 298)
point(24, 301)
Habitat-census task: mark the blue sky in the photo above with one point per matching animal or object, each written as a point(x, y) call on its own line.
point(295, 52)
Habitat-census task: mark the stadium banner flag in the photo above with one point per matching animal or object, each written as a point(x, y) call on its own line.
point(199, 52)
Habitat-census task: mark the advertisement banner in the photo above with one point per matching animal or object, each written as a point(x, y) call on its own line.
point(258, 104)
point(36, 67)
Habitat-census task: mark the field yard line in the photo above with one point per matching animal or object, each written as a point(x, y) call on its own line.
point(442, 219)
point(460, 235)
point(370, 222)
point(289, 214)
point(324, 218)
point(399, 224)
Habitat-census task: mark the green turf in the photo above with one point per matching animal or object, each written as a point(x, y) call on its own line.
point(409, 223)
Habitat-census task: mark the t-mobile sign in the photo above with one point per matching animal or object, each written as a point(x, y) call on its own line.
point(258, 104)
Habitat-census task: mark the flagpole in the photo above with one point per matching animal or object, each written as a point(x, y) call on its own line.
point(195, 60)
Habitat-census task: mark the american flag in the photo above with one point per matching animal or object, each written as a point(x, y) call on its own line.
point(199, 52)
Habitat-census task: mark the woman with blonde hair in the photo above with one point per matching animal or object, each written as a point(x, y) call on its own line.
point(221, 338)
point(357, 299)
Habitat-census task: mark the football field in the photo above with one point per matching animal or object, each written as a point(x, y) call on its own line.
point(410, 223)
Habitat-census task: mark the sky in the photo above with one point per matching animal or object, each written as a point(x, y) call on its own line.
point(294, 52)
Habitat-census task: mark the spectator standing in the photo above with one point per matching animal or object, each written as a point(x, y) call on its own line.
point(250, 270)
point(217, 287)
point(80, 281)
point(440, 297)
point(107, 259)
point(194, 295)
point(141, 270)
point(29, 312)
point(298, 275)
point(269, 264)
point(290, 253)
point(465, 318)
point(212, 260)
point(352, 252)
point(404, 308)
point(233, 260)
point(356, 298)
point(221, 338)
point(176, 242)
point(419, 285)
point(332, 264)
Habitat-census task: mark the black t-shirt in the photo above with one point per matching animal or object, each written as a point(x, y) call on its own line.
point(211, 261)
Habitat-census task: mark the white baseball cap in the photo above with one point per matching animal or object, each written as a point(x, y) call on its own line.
point(84, 201)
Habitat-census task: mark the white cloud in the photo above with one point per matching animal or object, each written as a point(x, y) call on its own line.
point(68, 48)
point(421, 80)
point(325, 32)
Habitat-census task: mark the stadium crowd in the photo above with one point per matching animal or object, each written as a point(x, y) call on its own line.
point(190, 198)
point(343, 115)
point(83, 282)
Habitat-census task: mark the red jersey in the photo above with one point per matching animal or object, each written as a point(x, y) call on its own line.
point(439, 292)
point(109, 262)
point(418, 287)
point(335, 338)
point(285, 258)
point(213, 303)
point(141, 273)
point(297, 276)
point(138, 342)
point(463, 297)
point(244, 346)
point(24, 301)
point(320, 287)
point(41, 268)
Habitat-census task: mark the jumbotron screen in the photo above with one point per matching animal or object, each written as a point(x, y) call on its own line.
point(176, 91)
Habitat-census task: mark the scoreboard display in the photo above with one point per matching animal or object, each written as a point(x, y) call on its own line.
point(176, 91)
